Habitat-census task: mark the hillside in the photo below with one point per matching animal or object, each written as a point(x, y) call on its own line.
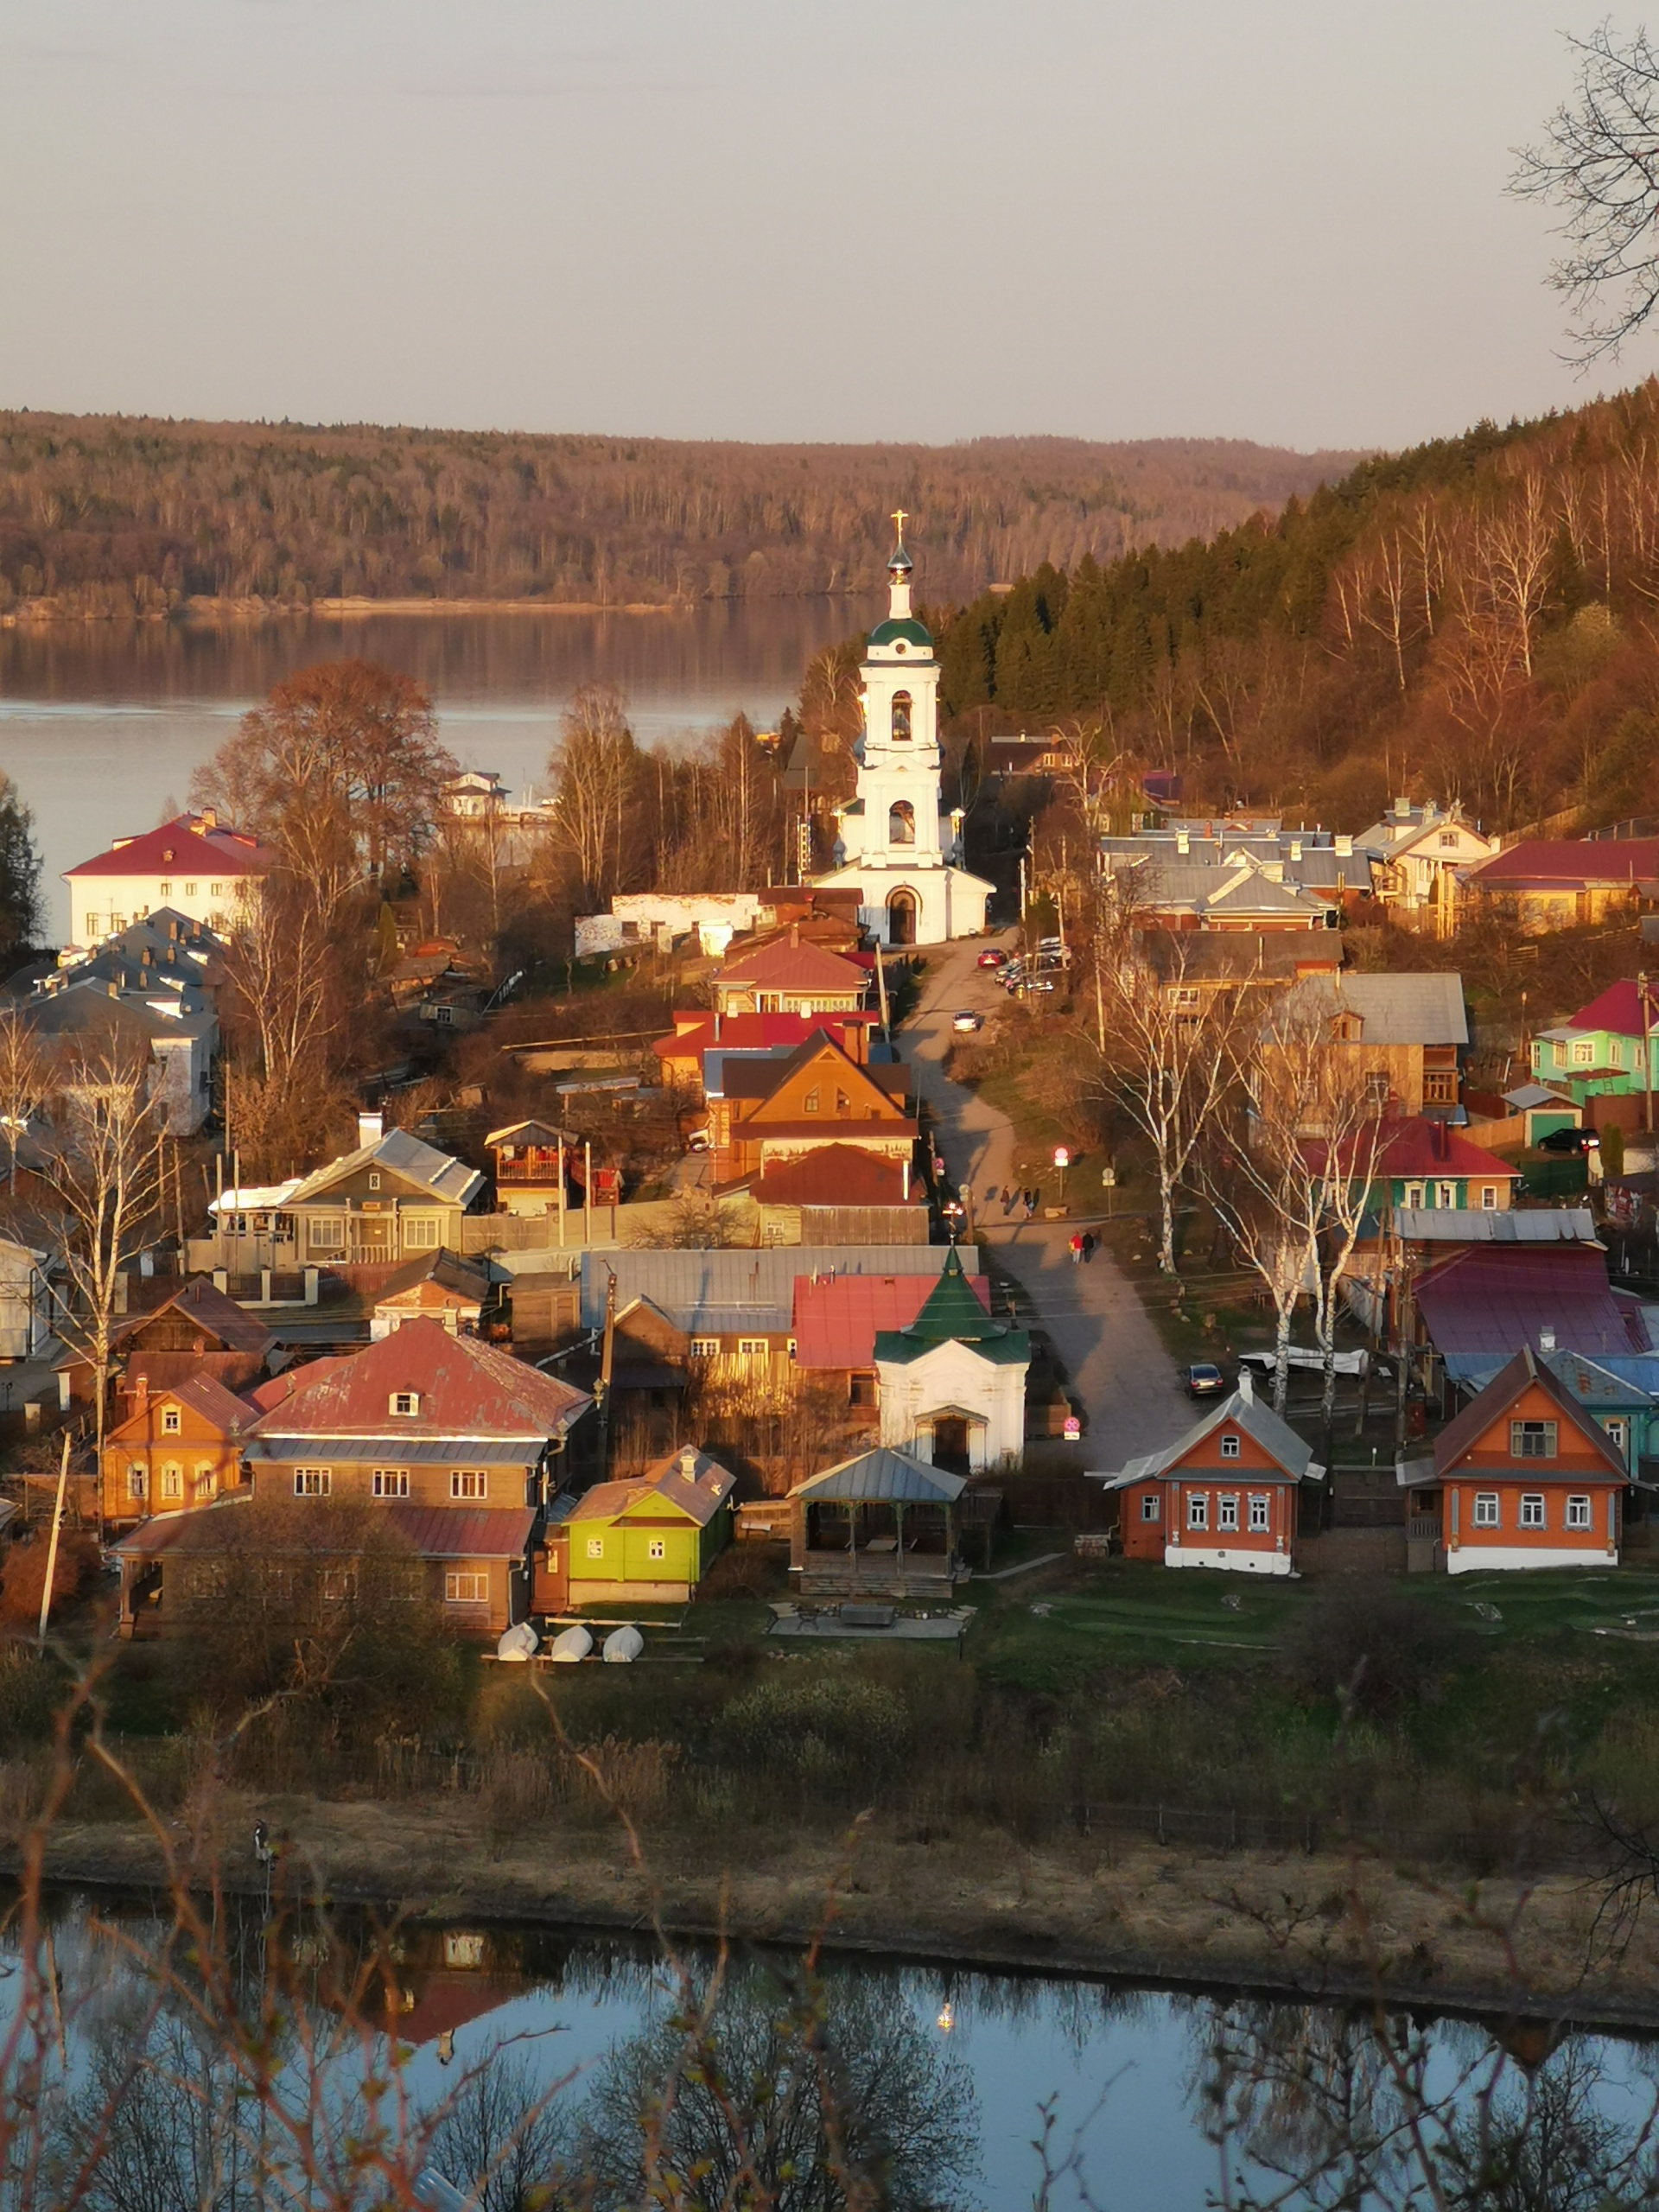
point(113, 515)
point(1476, 620)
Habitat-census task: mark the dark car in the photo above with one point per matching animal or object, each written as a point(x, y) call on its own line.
point(1570, 1140)
point(1203, 1380)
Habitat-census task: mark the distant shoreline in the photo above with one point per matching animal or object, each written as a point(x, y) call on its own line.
point(39, 615)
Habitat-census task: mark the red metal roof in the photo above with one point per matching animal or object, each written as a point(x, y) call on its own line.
point(178, 847)
point(464, 1531)
point(834, 1323)
point(1567, 861)
point(752, 1033)
point(465, 1388)
point(1418, 1145)
point(1500, 1298)
point(1618, 1011)
point(794, 968)
point(835, 1175)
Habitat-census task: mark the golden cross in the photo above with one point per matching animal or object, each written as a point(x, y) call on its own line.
point(899, 517)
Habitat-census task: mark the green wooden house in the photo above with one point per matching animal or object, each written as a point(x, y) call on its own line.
point(649, 1539)
point(1609, 1048)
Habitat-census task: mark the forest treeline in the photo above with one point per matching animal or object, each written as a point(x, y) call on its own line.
point(118, 516)
point(1476, 620)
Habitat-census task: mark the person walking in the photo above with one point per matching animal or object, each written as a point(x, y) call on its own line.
point(1077, 1250)
point(1008, 1202)
point(1089, 1242)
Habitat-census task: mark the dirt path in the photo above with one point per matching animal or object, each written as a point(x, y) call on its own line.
point(1116, 1359)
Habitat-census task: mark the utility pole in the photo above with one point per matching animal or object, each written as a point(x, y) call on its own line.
point(606, 1351)
point(57, 1526)
point(1647, 1052)
point(881, 988)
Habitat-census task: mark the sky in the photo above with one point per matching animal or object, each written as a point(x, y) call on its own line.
point(1283, 220)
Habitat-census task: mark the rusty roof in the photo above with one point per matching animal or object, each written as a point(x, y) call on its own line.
point(200, 1301)
point(835, 1175)
point(464, 1389)
point(781, 966)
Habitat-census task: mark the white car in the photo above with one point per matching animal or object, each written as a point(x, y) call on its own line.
point(966, 1022)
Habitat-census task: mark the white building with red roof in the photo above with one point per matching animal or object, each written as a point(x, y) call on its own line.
point(194, 865)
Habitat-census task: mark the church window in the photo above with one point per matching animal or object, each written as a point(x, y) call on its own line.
point(901, 824)
point(901, 717)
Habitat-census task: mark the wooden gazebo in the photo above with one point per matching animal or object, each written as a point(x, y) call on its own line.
point(883, 1523)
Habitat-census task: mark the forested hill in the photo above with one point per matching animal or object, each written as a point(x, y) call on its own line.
point(107, 514)
point(1476, 620)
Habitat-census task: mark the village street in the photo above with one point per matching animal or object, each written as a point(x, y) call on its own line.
point(1116, 1362)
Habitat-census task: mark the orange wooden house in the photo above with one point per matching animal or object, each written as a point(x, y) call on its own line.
point(1525, 1476)
point(774, 1110)
point(1227, 1495)
point(176, 1447)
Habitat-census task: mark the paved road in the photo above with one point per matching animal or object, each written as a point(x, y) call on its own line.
point(1115, 1359)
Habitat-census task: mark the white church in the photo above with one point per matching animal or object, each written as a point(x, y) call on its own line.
point(893, 844)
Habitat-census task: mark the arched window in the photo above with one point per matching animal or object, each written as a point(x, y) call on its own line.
point(901, 717)
point(901, 824)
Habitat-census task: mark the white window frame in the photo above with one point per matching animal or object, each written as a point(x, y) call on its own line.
point(596, 1546)
point(657, 1547)
point(172, 1421)
point(1521, 1434)
point(314, 1481)
point(1489, 1198)
point(1618, 1431)
point(470, 1484)
point(404, 1405)
point(1580, 1513)
point(1445, 1197)
point(422, 1232)
point(1227, 1514)
point(1197, 1508)
point(1230, 1446)
point(173, 1481)
point(1151, 1506)
point(1485, 1512)
point(1534, 1514)
point(1415, 1196)
point(753, 1348)
point(137, 1480)
point(704, 1348)
point(1259, 1513)
point(1584, 1055)
point(466, 1586)
point(374, 1179)
point(389, 1481)
point(325, 1232)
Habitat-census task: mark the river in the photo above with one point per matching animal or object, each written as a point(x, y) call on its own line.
point(1169, 2101)
point(101, 724)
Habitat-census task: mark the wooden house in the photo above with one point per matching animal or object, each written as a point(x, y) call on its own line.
point(439, 1285)
point(1555, 883)
point(178, 1446)
point(697, 1032)
point(788, 977)
point(646, 1542)
point(394, 1197)
point(1524, 1476)
point(1408, 1034)
point(1226, 1494)
point(773, 1112)
point(536, 1164)
point(196, 1331)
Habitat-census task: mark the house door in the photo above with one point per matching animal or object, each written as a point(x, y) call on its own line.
point(951, 1444)
point(902, 918)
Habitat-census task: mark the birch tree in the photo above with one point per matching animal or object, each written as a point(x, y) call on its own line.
point(24, 1083)
point(593, 771)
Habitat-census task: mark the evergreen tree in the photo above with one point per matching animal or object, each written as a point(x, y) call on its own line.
point(21, 916)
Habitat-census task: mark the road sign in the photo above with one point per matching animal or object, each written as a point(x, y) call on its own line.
point(1109, 1178)
point(1061, 1156)
point(1073, 1429)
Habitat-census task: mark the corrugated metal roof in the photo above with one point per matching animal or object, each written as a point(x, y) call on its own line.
point(464, 1531)
point(1276, 1438)
point(719, 1291)
point(881, 1478)
point(465, 1388)
point(1496, 1300)
point(1417, 1009)
point(1515, 1225)
point(835, 1324)
point(689, 1481)
point(400, 1154)
point(784, 967)
point(390, 1450)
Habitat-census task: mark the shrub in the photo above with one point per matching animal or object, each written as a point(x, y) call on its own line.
point(822, 1723)
point(30, 1689)
point(24, 1579)
point(1373, 1646)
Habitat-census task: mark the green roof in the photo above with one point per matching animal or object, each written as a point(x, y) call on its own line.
point(911, 632)
point(951, 1314)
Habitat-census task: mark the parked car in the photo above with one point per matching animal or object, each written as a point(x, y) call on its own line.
point(1204, 1379)
point(1570, 1140)
point(991, 957)
point(965, 1021)
point(1030, 984)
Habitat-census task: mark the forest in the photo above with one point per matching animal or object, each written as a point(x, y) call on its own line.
point(1477, 618)
point(116, 515)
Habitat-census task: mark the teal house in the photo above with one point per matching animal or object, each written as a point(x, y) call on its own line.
point(1602, 1049)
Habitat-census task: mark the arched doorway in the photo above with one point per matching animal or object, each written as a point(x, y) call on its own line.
point(902, 918)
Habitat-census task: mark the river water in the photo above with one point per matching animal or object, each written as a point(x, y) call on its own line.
point(1159, 2100)
point(101, 724)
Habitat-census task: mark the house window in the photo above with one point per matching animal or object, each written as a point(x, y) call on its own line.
point(1197, 1510)
point(810, 1104)
point(1584, 1055)
point(1184, 999)
point(391, 1481)
point(470, 1481)
point(860, 1390)
point(1148, 1505)
point(462, 1588)
point(1448, 841)
point(1532, 1439)
point(708, 1348)
point(164, 890)
point(422, 1232)
point(326, 1232)
point(406, 1404)
point(1258, 1517)
point(1414, 1194)
point(313, 1482)
point(374, 1179)
point(1227, 1514)
point(1445, 1195)
point(1489, 1198)
point(596, 1546)
point(338, 1585)
point(137, 1480)
point(172, 1481)
point(844, 1103)
point(658, 1548)
point(1578, 1513)
point(1230, 1446)
point(1618, 1433)
point(205, 1484)
point(753, 1347)
point(1486, 1509)
point(215, 891)
point(170, 1421)
point(1532, 1509)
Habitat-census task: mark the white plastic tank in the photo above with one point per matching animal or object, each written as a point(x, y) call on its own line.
point(518, 1642)
point(571, 1644)
point(623, 1646)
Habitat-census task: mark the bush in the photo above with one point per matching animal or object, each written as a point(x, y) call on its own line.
point(30, 1689)
point(24, 1578)
point(1372, 1646)
point(818, 1722)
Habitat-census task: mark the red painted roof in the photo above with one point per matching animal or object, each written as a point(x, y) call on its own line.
point(466, 1388)
point(1417, 1146)
point(1566, 860)
point(177, 846)
point(834, 1175)
point(464, 1531)
point(834, 1323)
point(752, 1033)
point(1498, 1298)
point(794, 968)
point(1618, 1011)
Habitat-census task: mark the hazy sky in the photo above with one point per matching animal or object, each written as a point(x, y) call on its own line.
point(778, 218)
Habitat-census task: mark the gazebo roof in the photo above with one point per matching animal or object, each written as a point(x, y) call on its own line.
point(881, 1478)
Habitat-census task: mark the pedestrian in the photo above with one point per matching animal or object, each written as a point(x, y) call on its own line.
point(1077, 1250)
point(1008, 1202)
point(1031, 1203)
point(1088, 1246)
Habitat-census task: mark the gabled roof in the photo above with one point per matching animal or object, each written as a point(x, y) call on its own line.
point(531, 1132)
point(421, 1165)
point(1618, 1011)
point(837, 1321)
point(835, 1175)
point(736, 1289)
point(448, 1269)
point(764, 1079)
point(881, 1478)
point(1525, 1371)
point(1276, 1438)
point(1416, 1146)
point(749, 1033)
point(1540, 863)
point(466, 1389)
point(205, 1304)
point(187, 843)
point(687, 1482)
point(1496, 1298)
point(785, 967)
point(1414, 1009)
point(953, 1313)
point(203, 1394)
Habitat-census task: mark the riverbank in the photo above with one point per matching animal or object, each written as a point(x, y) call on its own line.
point(1329, 1927)
point(39, 614)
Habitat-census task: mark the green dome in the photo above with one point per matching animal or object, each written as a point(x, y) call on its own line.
point(909, 630)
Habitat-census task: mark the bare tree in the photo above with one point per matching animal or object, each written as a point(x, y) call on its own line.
point(593, 771)
point(1596, 166)
point(23, 1082)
